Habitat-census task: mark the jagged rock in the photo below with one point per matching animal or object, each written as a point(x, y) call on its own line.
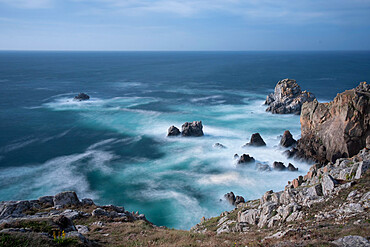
point(81, 97)
point(67, 198)
point(192, 129)
point(238, 200)
point(278, 166)
point(315, 190)
point(250, 216)
point(351, 241)
point(256, 141)
point(292, 168)
point(100, 212)
point(328, 184)
point(114, 208)
point(230, 197)
point(363, 166)
point(336, 129)
point(245, 158)
point(287, 98)
point(17, 208)
point(263, 167)
point(173, 131)
point(47, 201)
point(218, 145)
point(287, 140)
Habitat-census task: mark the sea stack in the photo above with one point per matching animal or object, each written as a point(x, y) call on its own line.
point(81, 97)
point(287, 98)
point(192, 129)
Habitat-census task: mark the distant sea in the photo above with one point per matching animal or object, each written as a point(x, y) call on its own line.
point(113, 148)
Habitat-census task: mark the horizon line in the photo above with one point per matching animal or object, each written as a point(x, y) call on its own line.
point(66, 50)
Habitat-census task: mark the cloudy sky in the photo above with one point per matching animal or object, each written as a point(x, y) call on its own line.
point(185, 24)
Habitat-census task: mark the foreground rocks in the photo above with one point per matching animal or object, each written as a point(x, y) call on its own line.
point(337, 129)
point(287, 98)
point(81, 97)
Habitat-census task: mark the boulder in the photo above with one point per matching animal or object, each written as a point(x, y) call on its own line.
point(292, 168)
point(328, 184)
point(338, 129)
point(47, 201)
point(239, 199)
point(245, 158)
point(81, 97)
point(256, 141)
point(350, 241)
point(87, 202)
point(64, 223)
point(287, 140)
point(278, 166)
point(173, 131)
point(230, 197)
point(192, 129)
point(287, 98)
point(67, 198)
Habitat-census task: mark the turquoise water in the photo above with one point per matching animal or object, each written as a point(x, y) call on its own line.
point(114, 149)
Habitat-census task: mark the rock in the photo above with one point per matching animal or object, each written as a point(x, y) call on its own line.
point(287, 98)
point(256, 141)
point(67, 198)
point(173, 131)
point(87, 202)
point(368, 142)
point(64, 223)
point(245, 158)
point(292, 168)
point(351, 241)
point(230, 197)
point(47, 201)
point(278, 166)
point(315, 190)
point(238, 200)
point(218, 145)
point(250, 216)
point(192, 129)
point(100, 212)
point(71, 214)
point(287, 140)
point(263, 167)
point(363, 166)
point(338, 129)
point(328, 184)
point(16, 208)
point(81, 97)
point(236, 156)
point(77, 235)
point(82, 229)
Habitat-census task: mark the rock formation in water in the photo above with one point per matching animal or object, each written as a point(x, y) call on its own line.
point(287, 98)
point(256, 141)
point(287, 140)
point(173, 131)
point(337, 129)
point(245, 158)
point(81, 97)
point(192, 129)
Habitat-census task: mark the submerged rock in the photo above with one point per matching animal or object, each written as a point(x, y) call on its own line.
point(287, 140)
point(278, 166)
point(173, 131)
point(292, 168)
point(218, 145)
point(287, 98)
point(263, 167)
point(256, 141)
point(230, 197)
point(192, 129)
point(81, 97)
point(245, 158)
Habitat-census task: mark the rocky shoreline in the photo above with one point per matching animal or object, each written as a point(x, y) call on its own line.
point(328, 206)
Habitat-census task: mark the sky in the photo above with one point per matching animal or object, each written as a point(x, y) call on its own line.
point(184, 25)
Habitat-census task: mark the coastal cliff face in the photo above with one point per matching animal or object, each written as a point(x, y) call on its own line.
point(337, 129)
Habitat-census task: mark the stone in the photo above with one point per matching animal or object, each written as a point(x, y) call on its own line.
point(315, 190)
point(287, 140)
point(71, 214)
point(363, 166)
point(238, 200)
point(263, 167)
point(279, 166)
point(67, 198)
point(100, 212)
point(218, 145)
point(46, 201)
point(292, 168)
point(64, 223)
point(173, 131)
point(256, 141)
point(81, 97)
point(76, 234)
point(351, 241)
point(368, 142)
point(328, 184)
point(338, 129)
point(192, 129)
point(287, 98)
point(230, 197)
point(82, 229)
point(249, 216)
point(87, 202)
point(245, 158)
point(236, 156)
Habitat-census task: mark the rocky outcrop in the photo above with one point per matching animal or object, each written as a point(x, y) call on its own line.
point(234, 200)
point(279, 166)
point(287, 98)
point(173, 131)
point(219, 145)
point(287, 140)
point(81, 97)
point(245, 158)
point(337, 129)
point(192, 129)
point(256, 141)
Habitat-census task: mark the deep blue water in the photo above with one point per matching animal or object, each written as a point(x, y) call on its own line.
point(113, 148)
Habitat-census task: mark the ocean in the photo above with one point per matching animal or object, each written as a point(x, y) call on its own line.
point(113, 148)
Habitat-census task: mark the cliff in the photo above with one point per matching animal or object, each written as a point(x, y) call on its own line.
point(337, 129)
